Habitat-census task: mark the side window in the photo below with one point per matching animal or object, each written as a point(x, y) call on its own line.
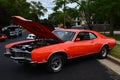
point(92, 36)
point(83, 36)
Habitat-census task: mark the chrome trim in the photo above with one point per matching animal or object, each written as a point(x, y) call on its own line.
point(20, 58)
point(82, 55)
point(16, 59)
point(19, 50)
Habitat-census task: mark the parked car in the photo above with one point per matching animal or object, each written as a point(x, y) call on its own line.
point(12, 31)
point(54, 48)
point(31, 36)
point(81, 27)
point(3, 37)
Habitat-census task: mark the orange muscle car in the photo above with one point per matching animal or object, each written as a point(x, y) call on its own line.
point(53, 48)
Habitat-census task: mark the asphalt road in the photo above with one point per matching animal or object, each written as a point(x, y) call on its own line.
point(84, 68)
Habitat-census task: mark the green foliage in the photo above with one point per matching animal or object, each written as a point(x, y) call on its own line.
point(66, 14)
point(99, 11)
point(4, 14)
point(116, 51)
point(37, 10)
point(9, 8)
point(56, 18)
point(61, 4)
point(116, 36)
point(107, 10)
point(73, 13)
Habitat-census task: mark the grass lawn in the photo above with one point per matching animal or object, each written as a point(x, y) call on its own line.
point(116, 36)
point(115, 51)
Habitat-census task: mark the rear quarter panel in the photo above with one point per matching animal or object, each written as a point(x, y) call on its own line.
point(104, 40)
point(111, 43)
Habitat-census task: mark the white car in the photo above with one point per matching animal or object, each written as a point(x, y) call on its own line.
point(31, 36)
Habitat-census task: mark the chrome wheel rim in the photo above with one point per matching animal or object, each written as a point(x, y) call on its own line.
point(104, 52)
point(56, 64)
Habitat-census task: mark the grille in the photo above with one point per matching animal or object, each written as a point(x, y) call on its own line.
point(18, 53)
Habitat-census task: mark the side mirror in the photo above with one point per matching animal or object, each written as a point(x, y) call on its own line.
point(77, 39)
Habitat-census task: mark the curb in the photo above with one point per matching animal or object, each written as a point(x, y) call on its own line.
point(117, 42)
point(113, 59)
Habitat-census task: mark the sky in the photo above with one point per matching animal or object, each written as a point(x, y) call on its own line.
point(48, 4)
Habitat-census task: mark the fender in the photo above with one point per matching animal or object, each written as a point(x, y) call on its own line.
point(59, 51)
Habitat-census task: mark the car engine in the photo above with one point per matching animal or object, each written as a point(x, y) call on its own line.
point(34, 44)
point(22, 52)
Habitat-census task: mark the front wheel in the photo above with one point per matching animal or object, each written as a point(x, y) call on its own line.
point(55, 63)
point(103, 53)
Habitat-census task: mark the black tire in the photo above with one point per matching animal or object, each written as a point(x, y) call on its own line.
point(103, 53)
point(55, 63)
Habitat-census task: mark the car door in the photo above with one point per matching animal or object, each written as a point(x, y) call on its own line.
point(84, 46)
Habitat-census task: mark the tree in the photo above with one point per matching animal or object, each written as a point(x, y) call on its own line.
point(37, 10)
point(86, 9)
point(61, 4)
point(10, 8)
point(56, 18)
point(108, 10)
point(72, 14)
point(100, 10)
point(4, 15)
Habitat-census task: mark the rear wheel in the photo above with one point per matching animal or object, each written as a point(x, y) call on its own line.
point(103, 53)
point(55, 63)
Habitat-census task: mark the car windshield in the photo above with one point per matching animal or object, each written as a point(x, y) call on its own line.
point(64, 35)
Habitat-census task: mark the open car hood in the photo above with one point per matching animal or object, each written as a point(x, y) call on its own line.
point(38, 29)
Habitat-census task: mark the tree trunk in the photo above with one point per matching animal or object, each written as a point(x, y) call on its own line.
point(64, 14)
point(112, 19)
point(111, 29)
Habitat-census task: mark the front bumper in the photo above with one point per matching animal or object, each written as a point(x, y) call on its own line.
point(19, 56)
point(19, 59)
